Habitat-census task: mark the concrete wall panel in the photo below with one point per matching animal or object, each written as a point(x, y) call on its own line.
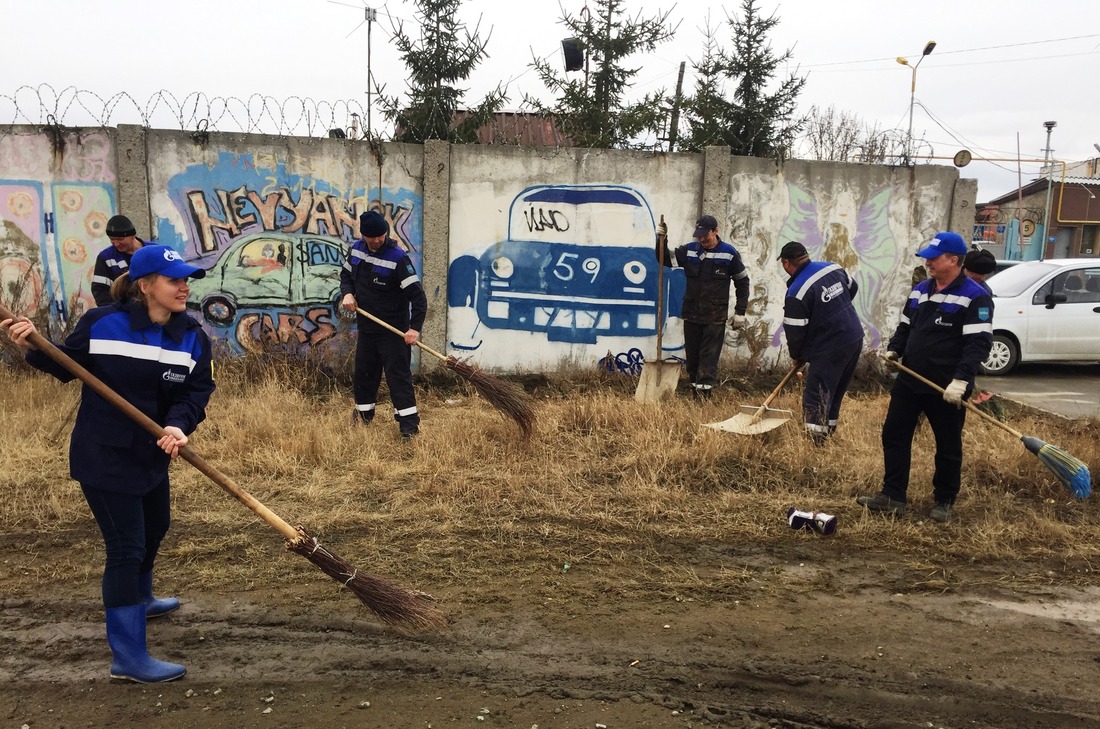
point(57, 190)
point(270, 218)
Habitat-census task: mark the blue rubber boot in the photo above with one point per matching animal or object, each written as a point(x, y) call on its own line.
point(154, 608)
point(126, 636)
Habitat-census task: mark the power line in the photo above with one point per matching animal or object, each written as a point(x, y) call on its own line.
point(965, 50)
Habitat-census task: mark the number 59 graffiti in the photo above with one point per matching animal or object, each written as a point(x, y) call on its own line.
point(563, 269)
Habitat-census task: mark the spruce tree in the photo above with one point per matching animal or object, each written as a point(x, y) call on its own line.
point(593, 109)
point(445, 54)
point(756, 122)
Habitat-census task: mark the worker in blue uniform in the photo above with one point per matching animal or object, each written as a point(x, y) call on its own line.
point(710, 265)
point(114, 260)
point(379, 278)
point(822, 328)
point(945, 333)
point(149, 351)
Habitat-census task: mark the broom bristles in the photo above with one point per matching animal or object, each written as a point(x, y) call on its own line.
point(1069, 470)
point(394, 605)
point(1073, 473)
point(506, 397)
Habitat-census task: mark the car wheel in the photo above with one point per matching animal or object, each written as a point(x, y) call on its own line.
point(1003, 356)
point(219, 310)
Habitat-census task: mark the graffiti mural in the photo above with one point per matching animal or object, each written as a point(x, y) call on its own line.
point(868, 248)
point(56, 194)
point(577, 266)
point(50, 235)
point(273, 243)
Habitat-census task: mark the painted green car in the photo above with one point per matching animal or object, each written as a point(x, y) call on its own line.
point(270, 270)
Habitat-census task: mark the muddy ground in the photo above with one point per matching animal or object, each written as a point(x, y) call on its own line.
point(813, 637)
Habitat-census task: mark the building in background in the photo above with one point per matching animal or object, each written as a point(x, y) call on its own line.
point(1013, 225)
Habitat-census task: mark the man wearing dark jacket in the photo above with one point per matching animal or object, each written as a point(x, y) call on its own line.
point(379, 278)
point(114, 260)
point(822, 328)
point(710, 264)
point(945, 333)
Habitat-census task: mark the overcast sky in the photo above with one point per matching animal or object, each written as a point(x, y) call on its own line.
point(999, 70)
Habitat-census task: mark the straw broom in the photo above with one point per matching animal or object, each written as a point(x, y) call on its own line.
point(509, 399)
point(1071, 472)
point(392, 604)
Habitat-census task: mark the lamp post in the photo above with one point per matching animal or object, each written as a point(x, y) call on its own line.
point(928, 47)
point(1050, 178)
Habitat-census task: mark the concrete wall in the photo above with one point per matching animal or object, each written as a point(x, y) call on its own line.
point(533, 259)
point(547, 270)
point(270, 219)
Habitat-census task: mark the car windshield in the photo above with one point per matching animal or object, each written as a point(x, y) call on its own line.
point(1014, 280)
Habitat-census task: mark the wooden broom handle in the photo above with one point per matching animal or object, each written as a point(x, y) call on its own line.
point(289, 533)
point(971, 406)
point(400, 333)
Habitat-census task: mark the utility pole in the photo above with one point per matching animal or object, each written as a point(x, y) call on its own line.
point(1050, 178)
point(372, 16)
point(674, 122)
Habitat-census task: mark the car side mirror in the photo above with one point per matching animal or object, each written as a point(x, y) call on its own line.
point(1053, 299)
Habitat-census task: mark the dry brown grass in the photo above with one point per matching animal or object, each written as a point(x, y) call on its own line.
point(640, 496)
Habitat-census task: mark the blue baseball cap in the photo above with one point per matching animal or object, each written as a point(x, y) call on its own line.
point(946, 242)
point(163, 260)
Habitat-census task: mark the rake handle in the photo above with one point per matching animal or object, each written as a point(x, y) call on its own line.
point(969, 405)
point(400, 333)
point(289, 533)
point(775, 393)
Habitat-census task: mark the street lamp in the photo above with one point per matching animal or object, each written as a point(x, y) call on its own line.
point(928, 47)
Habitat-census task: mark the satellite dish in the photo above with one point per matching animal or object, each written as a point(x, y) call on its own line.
point(962, 158)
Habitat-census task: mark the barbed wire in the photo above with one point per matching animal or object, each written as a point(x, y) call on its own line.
point(196, 111)
point(297, 116)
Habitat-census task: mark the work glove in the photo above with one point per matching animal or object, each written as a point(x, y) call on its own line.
point(892, 356)
point(954, 392)
point(738, 321)
point(662, 230)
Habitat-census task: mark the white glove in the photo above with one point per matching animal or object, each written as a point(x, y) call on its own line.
point(662, 230)
point(954, 392)
point(738, 321)
point(892, 356)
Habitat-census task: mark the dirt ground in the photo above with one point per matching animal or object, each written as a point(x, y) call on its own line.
point(816, 637)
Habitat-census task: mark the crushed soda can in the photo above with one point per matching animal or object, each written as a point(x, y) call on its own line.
point(815, 521)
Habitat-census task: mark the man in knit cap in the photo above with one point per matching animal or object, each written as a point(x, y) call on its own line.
point(379, 278)
point(114, 260)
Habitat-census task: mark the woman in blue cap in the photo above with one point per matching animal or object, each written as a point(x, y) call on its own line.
point(145, 348)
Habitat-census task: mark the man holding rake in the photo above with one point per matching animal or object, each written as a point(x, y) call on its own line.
point(946, 332)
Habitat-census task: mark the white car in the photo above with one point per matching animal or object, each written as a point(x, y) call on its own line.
point(1045, 311)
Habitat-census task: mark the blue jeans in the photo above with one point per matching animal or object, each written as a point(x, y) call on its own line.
point(133, 526)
